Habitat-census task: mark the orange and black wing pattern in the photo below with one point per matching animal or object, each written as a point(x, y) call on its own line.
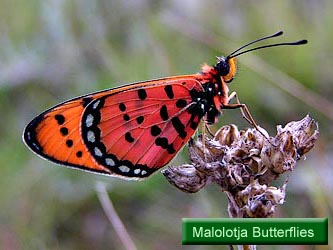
point(128, 132)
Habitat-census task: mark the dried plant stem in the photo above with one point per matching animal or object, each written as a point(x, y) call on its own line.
point(247, 247)
point(113, 217)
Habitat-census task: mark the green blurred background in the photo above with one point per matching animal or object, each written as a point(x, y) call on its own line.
point(54, 50)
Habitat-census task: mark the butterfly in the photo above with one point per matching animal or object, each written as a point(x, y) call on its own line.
point(133, 130)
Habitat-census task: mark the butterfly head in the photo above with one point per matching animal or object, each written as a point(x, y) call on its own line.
point(226, 68)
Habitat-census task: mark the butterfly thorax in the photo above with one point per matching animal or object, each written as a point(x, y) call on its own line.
point(210, 101)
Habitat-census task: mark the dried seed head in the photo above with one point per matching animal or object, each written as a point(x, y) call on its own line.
point(243, 163)
point(227, 135)
point(259, 201)
point(289, 145)
point(186, 178)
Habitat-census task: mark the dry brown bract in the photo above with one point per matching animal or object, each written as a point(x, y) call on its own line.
point(244, 163)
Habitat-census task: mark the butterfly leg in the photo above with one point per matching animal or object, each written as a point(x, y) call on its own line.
point(203, 139)
point(244, 111)
point(205, 124)
point(243, 108)
point(205, 130)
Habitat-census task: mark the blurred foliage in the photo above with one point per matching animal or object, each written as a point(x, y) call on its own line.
point(55, 49)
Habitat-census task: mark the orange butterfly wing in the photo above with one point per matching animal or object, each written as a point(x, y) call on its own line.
point(55, 135)
point(129, 131)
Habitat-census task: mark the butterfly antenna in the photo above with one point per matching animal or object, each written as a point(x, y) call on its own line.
point(235, 54)
point(279, 33)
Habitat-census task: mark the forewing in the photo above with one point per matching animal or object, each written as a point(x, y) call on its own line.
point(129, 131)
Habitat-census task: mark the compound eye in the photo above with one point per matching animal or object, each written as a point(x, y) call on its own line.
point(223, 68)
point(232, 70)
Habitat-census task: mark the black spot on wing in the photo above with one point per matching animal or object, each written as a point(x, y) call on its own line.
point(155, 130)
point(122, 107)
point(162, 142)
point(164, 113)
point(179, 127)
point(60, 119)
point(169, 91)
point(181, 103)
point(140, 119)
point(126, 117)
point(142, 94)
point(64, 131)
point(128, 137)
point(69, 143)
point(171, 149)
